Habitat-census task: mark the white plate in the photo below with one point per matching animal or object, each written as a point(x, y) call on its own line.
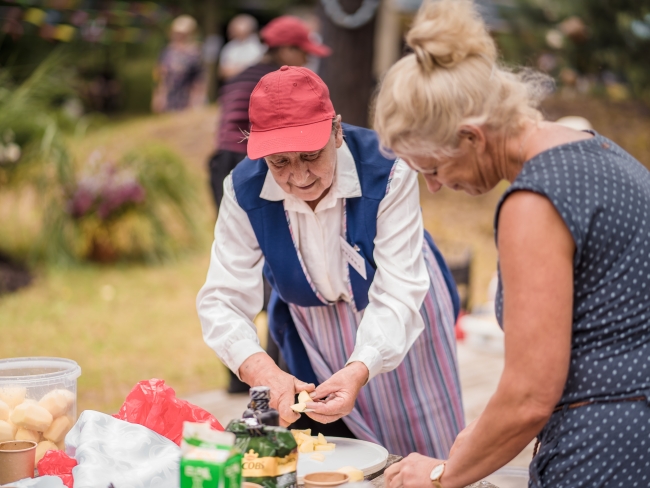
point(363, 455)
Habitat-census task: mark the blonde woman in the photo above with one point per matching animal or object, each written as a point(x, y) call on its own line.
point(573, 233)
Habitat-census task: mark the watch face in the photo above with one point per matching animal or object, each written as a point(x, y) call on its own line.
point(436, 472)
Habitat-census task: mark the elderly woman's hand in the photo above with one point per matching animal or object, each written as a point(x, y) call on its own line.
point(260, 370)
point(335, 398)
point(413, 472)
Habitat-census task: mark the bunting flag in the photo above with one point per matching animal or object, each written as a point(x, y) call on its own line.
point(85, 20)
point(35, 16)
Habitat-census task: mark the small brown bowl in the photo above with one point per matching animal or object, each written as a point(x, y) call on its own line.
point(325, 478)
point(17, 459)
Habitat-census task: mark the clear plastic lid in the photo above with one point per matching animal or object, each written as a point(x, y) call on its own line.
point(38, 370)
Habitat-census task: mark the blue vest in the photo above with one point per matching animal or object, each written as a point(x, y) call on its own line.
point(282, 267)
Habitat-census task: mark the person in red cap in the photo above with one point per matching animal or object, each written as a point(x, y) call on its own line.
point(363, 305)
point(289, 43)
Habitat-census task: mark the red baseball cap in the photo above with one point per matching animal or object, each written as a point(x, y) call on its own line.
point(291, 31)
point(290, 110)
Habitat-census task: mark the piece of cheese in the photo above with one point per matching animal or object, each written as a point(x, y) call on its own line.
point(57, 431)
point(43, 447)
point(298, 431)
point(5, 410)
point(7, 431)
point(321, 440)
point(298, 407)
point(317, 457)
point(27, 435)
point(31, 417)
point(307, 446)
point(304, 397)
point(57, 402)
point(13, 395)
point(354, 473)
point(326, 447)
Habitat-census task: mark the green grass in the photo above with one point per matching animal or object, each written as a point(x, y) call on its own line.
point(121, 324)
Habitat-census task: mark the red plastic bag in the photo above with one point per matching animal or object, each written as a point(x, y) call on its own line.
point(57, 463)
point(154, 405)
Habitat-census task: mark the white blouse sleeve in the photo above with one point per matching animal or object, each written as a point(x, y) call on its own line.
point(233, 292)
point(392, 320)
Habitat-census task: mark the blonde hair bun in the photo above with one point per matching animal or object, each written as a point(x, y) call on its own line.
point(445, 32)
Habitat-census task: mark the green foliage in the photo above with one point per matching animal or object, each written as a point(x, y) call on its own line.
point(617, 37)
point(31, 117)
point(138, 209)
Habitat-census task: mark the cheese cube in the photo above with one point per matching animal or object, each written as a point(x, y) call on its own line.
point(57, 402)
point(304, 397)
point(326, 447)
point(317, 457)
point(4, 411)
point(31, 417)
point(321, 440)
point(354, 473)
point(307, 446)
point(13, 395)
point(298, 407)
point(43, 447)
point(27, 435)
point(57, 431)
point(7, 431)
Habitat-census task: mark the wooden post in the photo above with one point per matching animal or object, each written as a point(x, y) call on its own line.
point(348, 72)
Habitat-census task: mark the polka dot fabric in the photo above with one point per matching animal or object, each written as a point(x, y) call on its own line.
point(603, 195)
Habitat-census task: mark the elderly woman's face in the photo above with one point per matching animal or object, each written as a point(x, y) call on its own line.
point(470, 169)
point(307, 175)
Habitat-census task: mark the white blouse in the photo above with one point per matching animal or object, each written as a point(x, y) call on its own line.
point(233, 292)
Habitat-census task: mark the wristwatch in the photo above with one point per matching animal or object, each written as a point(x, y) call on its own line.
point(436, 474)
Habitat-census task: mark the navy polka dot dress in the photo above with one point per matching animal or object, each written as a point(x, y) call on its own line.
point(603, 195)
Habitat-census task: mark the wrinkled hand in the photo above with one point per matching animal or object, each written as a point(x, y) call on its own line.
point(260, 370)
point(462, 436)
point(335, 398)
point(412, 472)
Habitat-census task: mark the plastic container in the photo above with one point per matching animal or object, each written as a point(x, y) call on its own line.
point(41, 395)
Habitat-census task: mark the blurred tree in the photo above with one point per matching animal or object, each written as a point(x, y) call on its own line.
point(348, 71)
point(606, 39)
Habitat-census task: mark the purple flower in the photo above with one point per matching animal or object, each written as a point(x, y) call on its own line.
point(106, 190)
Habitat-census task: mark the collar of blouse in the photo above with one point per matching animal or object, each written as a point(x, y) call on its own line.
point(344, 185)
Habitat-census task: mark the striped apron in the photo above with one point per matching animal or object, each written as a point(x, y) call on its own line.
point(414, 408)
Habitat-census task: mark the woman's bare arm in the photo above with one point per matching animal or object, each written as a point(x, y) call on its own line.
point(536, 260)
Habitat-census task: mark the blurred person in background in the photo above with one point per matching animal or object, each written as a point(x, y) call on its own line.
point(289, 43)
point(179, 73)
point(573, 239)
point(244, 48)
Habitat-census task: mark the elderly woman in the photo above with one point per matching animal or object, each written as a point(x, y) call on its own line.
point(573, 234)
point(362, 302)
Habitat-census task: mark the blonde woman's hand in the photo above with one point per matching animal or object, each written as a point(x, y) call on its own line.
point(261, 370)
point(414, 471)
point(335, 397)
